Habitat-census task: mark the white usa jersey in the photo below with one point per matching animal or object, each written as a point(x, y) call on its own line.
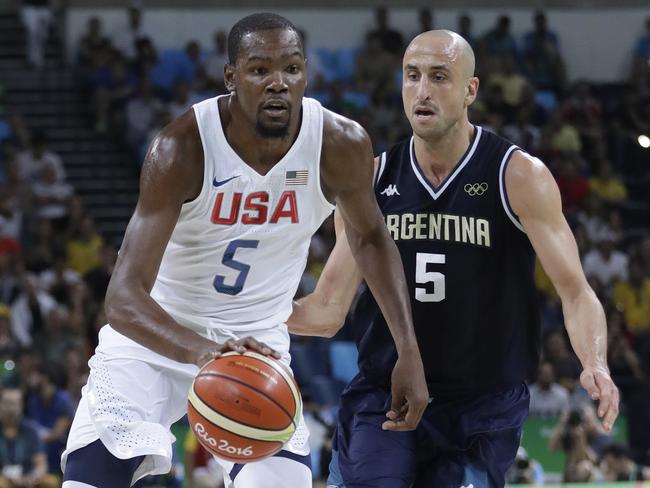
point(236, 256)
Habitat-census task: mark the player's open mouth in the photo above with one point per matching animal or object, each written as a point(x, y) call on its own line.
point(424, 112)
point(275, 107)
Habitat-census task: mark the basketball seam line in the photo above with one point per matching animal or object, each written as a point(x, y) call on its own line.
point(257, 390)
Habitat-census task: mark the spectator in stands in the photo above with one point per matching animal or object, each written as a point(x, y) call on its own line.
point(97, 278)
point(85, 247)
point(569, 436)
point(425, 21)
point(91, 41)
point(201, 469)
point(606, 185)
point(584, 112)
point(632, 296)
point(11, 220)
point(183, 99)
point(592, 216)
point(499, 41)
point(125, 38)
point(627, 370)
point(30, 310)
point(51, 197)
point(36, 16)
point(141, 113)
point(565, 363)
point(22, 458)
point(574, 187)
point(525, 470)
point(512, 84)
point(390, 39)
point(50, 407)
point(218, 58)
point(465, 30)
point(617, 464)
point(193, 54)
point(547, 398)
point(375, 65)
point(605, 262)
point(32, 161)
point(8, 344)
point(43, 244)
point(542, 59)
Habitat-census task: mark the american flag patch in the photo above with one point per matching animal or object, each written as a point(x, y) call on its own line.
point(299, 177)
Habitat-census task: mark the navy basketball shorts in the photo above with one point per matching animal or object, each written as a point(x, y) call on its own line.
point(458, 443)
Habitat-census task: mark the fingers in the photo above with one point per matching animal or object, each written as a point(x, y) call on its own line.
point(609, 401)
point(406, 416)
point(253, 344)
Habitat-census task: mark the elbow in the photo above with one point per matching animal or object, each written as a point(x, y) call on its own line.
point(116, 304)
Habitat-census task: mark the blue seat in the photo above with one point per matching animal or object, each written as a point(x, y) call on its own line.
point(343, 360)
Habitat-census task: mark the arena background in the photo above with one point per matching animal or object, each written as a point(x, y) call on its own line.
point(77, 114)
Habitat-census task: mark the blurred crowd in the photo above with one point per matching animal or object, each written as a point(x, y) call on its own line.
point(55, 265)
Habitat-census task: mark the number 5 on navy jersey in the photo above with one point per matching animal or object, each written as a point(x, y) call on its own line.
point(230, 261)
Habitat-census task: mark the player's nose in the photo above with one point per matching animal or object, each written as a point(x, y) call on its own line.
point(422, 91)
point(277, 83)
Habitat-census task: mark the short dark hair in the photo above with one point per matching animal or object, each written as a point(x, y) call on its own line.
point(264, 21)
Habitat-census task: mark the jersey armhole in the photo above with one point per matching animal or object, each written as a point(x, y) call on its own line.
point(379, 169)
point(502, 189)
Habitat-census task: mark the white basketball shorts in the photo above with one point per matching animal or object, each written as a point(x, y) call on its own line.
point(134, 395)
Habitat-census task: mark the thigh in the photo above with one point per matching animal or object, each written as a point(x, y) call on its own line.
point(482, 443)
point(365, 455)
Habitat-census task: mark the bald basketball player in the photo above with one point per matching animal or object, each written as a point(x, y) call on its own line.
point(468, 211)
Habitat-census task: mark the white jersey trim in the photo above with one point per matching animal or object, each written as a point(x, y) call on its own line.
point(426, 183)
point(320, 161)
point(502, 188)
point(379, 169)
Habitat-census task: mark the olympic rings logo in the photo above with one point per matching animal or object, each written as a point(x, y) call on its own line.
point(475, 188)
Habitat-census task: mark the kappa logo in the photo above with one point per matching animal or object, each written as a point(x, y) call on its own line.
point(475, 189)
point(390, 190)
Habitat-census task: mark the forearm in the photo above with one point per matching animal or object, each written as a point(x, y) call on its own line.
point(312, 316)
point(133, 313)
point(381, 265)
point(585, 322)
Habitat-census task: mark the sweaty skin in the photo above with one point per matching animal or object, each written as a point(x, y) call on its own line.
point(438, 87)
point(261, 118)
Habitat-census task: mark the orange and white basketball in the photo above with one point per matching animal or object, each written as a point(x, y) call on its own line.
point(244, 407)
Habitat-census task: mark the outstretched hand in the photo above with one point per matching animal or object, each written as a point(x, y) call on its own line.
point(599, 385)
point(241, 346)
point(410, 395)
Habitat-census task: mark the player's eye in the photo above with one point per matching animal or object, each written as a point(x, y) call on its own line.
point(293, 69)
point(439, 77)
point(413, 76)
point(259, 70)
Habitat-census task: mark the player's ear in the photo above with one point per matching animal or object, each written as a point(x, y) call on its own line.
point(229, 77)
point(471, 90)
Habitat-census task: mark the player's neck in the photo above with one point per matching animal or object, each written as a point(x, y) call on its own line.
point(258, 152)
point(438, 157)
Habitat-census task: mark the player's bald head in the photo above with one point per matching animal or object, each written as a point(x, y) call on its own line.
point(446, 45)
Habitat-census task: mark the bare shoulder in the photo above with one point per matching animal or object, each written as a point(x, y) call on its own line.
point(174, 159)
point(529, 184)
point(347, 158)
point(341, 133)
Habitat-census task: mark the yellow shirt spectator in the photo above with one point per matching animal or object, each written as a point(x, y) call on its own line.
point(635, 303)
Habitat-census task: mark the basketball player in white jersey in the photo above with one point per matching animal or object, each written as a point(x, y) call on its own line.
point(230, 195)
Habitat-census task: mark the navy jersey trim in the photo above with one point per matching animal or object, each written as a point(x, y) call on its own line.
point(379, 169)
point(435, 192)
point(502, 189)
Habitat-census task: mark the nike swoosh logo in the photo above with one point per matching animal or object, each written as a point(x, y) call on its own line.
point(216, 182)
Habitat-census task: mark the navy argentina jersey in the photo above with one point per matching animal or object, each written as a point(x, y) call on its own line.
point(469, 269)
